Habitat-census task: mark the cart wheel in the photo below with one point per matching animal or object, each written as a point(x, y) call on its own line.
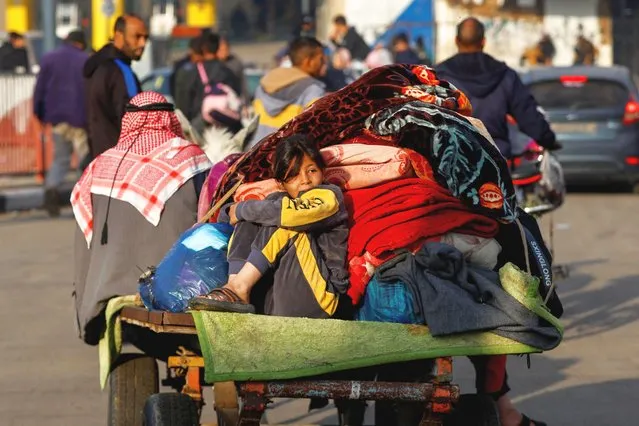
point(226, 403)
point(474, 410)
point(170, 409)
point(132, 381)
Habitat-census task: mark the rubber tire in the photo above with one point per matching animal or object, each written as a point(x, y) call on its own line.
point(474, 410)
point(132, 381)
point(170, 409)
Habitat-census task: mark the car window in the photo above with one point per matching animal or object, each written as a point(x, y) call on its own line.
point(578, 93)
point(157, 83)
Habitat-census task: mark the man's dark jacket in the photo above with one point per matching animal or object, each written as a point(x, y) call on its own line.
point(177, 66)
point(355, 44)
point(59, 95)
point(191, 88)
point(12, 58)
point(106, 97)
point(496, 90)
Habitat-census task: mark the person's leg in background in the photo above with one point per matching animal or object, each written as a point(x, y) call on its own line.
point(62, 151)
point(80, 140)
point(490, 375)
point(492, 379)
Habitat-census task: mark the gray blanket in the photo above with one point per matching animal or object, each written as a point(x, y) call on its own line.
point(456, 297)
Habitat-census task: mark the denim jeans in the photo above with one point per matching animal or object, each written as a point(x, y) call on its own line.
point(63, 147)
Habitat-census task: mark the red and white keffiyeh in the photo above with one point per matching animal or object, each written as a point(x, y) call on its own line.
point(154, 161)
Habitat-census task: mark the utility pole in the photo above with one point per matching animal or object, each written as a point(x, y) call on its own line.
point(48, 23)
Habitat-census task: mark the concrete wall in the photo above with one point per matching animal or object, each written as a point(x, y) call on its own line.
point(563, 19)
point(509, 33)
point(371, 18)
point(324, 14)
point(3, 11)
point(371, 22)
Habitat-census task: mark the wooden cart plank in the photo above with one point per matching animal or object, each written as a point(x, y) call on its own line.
point(158, 318)
point(171, 329)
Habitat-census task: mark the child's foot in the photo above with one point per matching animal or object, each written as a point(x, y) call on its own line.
point(510, 416)
point(239, 288)
point(222, 299)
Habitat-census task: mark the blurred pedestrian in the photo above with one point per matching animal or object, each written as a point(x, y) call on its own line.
point(111, 83)
point(235, 64)
point(422, 51)
point(214, 71)
point(402, 52)
point(283, 93)
point(306, 28)
point(585, 52)
point(339, 73)
point(379, 57)
point(13, 54)
point(183, 76)
point(59, 100)
point(193, 55)
point(547, 49)
point(349, 38)
point(532, 56)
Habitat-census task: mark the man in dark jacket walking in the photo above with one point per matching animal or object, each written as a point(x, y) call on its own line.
point(110, 82)
point(349, 38)
point(216, 72)
point(235, 64)
point(59, 101)
point(13, 54)
point(494, 90)
point(182, 75)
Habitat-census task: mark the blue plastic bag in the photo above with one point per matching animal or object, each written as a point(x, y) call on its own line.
point(388, 302)
point(195, 265)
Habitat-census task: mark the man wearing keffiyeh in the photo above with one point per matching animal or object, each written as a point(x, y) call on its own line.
point(131, 204)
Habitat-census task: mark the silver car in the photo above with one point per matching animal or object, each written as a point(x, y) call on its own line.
point(595, 113)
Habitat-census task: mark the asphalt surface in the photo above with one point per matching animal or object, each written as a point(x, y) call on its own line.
point(47, 376)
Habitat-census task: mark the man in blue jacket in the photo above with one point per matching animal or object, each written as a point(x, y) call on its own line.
point(494, 90)
point(59, 100)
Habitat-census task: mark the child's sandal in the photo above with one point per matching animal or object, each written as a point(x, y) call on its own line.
point(221, 299)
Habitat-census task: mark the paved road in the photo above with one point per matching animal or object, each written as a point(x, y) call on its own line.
point(48, 376)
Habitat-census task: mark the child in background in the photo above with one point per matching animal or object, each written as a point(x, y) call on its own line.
point(299, 233)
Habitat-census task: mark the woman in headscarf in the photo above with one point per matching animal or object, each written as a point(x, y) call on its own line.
point(131, 204)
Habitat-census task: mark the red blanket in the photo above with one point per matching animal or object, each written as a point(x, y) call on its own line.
point(398, 213)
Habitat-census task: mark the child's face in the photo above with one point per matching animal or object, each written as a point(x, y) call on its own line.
point(309, 177)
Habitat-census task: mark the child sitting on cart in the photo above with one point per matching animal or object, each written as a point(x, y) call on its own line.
point(299, 234)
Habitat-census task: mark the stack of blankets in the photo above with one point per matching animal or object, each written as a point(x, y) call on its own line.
point(394, 205)
point(419, 176)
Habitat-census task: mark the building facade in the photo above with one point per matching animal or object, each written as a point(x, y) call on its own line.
point(512, 26)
